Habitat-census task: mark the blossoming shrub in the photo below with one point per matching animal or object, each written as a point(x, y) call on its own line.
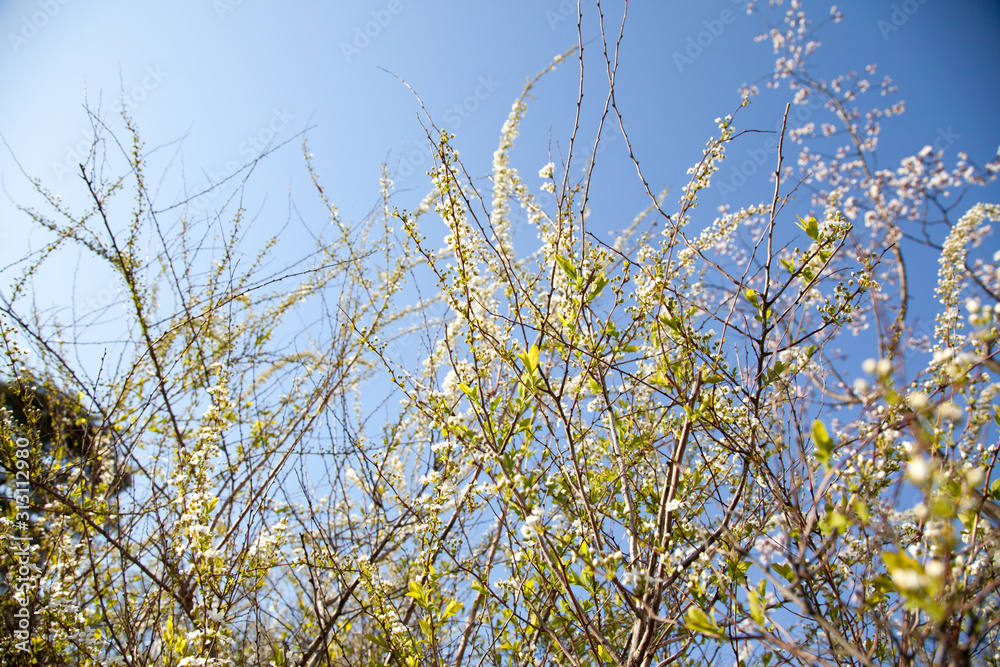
point(660, 437)
point(711, 440)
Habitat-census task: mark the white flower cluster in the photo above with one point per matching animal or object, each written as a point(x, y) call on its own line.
point(546, 173)
point(505, 179)
point(702, 172)
point(530, 528)
point(268, 541)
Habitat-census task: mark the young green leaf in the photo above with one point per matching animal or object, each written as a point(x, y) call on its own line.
point(785, 571)
point(599, 284)
point(756, 608)
point(697, 620)
point(567, 267)
point(453, 608)
point(810, 227)
point(529, 359)
point(416, 591)
point(823, 441)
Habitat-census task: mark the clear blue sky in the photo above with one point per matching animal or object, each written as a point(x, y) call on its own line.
point(222, 75)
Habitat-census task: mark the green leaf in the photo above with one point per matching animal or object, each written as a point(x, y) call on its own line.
point(567, 267)
point(673, 323)
point(773, 374)
point(751, 296)
point(453, 608)
point(737, 569)
point(599, 284)
point(861, 509)
point(785, 571)
point(824, 443)
point(697, 620)
point(836, 521)
point(416, 591)
point(756, 608)
point(530, 359)
point(881, 585)
point(897, 560)
point(810, 227)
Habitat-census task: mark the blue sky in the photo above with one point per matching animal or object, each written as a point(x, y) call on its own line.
point(209, 82)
